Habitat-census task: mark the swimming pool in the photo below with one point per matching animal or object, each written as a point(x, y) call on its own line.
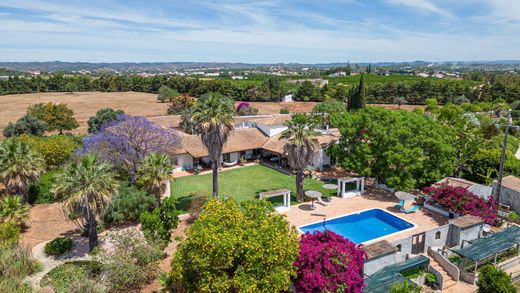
point(362, 227)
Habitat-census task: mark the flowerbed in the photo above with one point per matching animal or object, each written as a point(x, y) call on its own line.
point(461, 201)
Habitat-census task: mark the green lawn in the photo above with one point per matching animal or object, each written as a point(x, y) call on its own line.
point(242, 184)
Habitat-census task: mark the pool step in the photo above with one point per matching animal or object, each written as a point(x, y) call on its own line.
point(448, 281)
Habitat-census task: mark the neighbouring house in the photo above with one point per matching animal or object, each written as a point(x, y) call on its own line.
point(315, 81)
point(287, 98)
point(254, 137)
point(509, 193)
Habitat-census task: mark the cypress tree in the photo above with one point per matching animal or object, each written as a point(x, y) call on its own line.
point(357, 96)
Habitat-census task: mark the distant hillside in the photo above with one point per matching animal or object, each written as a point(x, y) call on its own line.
point(58, 66)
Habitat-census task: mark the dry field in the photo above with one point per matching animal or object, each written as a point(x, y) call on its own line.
point(85, 105)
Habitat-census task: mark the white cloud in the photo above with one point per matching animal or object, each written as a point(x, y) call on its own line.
point(422, 5)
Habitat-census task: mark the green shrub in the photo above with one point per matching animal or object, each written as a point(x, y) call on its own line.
point(58, 246)
point(232, 248)
point(493, 280)
point(197, 201)
point(16, 263)
point(127, 205)
point(55, 149)
point(513, 215)
point(405, 287)
point(41, 191)
point(156, 225)
point(430, 278)
point(13, 210)
point(414, 273)
point(75, 277)
point(284, 111)
point(9, 234)
point(132, 262)
point(454, 259)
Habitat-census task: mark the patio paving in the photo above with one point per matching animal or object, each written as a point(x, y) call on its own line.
point(424, 220)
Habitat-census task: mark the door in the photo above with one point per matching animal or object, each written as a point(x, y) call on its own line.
point(418, 243)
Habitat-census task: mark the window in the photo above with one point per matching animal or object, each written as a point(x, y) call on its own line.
point(398, 247)
point(438, 235)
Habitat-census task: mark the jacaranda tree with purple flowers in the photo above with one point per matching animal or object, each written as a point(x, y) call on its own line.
point(329, 262)
point(461, 201)
point(127, 140)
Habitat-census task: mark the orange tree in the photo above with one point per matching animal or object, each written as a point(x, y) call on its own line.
point(236, 249)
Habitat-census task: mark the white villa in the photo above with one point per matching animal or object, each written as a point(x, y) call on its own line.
point(254, 137)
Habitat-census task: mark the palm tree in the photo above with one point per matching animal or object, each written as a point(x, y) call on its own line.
point(86, 186)
point(153, 173)
point(12, 209)
point(213, 117)
point(19, 166)
point(300, 147)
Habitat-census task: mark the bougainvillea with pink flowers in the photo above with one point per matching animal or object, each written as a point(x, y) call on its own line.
point(329, 262)
point(461, 201)
point(243, 105)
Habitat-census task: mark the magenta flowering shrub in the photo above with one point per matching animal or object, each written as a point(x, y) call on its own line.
point(329, 262)
point(243, 105)
point(463, 202)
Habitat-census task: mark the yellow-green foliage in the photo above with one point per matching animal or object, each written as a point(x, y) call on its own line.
point(236, 249)
point(55, 149)
point(9, 234)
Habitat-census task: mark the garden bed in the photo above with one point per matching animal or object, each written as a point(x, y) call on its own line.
point(74, 275)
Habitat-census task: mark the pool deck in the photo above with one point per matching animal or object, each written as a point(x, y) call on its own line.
point(424, 220)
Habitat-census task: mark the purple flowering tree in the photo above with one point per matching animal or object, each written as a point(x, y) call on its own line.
point(463, 202)
point(329, 262)
point(126, 141)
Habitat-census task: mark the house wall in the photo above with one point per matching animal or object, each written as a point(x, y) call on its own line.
point(184, 162)
point(320, 159)
point(271, 130)
point(373, 265)
point(470, 233)
point(508, 197)
point(430, 236)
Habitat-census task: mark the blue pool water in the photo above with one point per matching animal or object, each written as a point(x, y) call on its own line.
point(362, 227)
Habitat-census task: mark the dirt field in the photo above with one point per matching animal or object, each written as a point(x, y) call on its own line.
point(85, 105)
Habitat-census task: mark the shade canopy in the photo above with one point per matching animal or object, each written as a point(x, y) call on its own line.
point(485, 247)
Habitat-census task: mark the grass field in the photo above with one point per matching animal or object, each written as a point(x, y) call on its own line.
point(242, 184)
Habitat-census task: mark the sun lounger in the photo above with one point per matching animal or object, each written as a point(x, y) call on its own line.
point(321, 201)
point(400, 204)
point(411, 210)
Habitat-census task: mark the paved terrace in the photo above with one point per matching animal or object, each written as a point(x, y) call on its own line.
point(372, 198)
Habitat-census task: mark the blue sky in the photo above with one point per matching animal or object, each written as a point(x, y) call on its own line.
point(263, 31)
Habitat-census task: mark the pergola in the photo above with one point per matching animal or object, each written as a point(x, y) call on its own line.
point(286, 193)
point(343, 183)
point(482, 250)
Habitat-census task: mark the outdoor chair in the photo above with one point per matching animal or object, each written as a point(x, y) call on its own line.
point(400, 205)
point(411, 210)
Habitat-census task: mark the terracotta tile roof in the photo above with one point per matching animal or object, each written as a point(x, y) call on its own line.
point(239, 140)
point(274, 144)
point(379, 248)
point(173, 121)
point(466, 221)
point(511, 182)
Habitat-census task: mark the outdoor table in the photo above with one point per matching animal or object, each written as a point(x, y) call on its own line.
point(313, 194)
point(331, 187)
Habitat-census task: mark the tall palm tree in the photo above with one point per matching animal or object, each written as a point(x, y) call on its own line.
point(86, 186)
point(301, 145)
point(153, 173)
point(19, 166)
point(213, 117)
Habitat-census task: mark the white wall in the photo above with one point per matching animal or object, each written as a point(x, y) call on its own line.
point(320, 159)
point(184, 162)
point(271, 130)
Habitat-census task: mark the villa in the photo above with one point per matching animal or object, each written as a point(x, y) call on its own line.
point(254, 137)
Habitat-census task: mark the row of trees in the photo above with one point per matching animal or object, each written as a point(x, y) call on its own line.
point(273, 88)
point(414, 149)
